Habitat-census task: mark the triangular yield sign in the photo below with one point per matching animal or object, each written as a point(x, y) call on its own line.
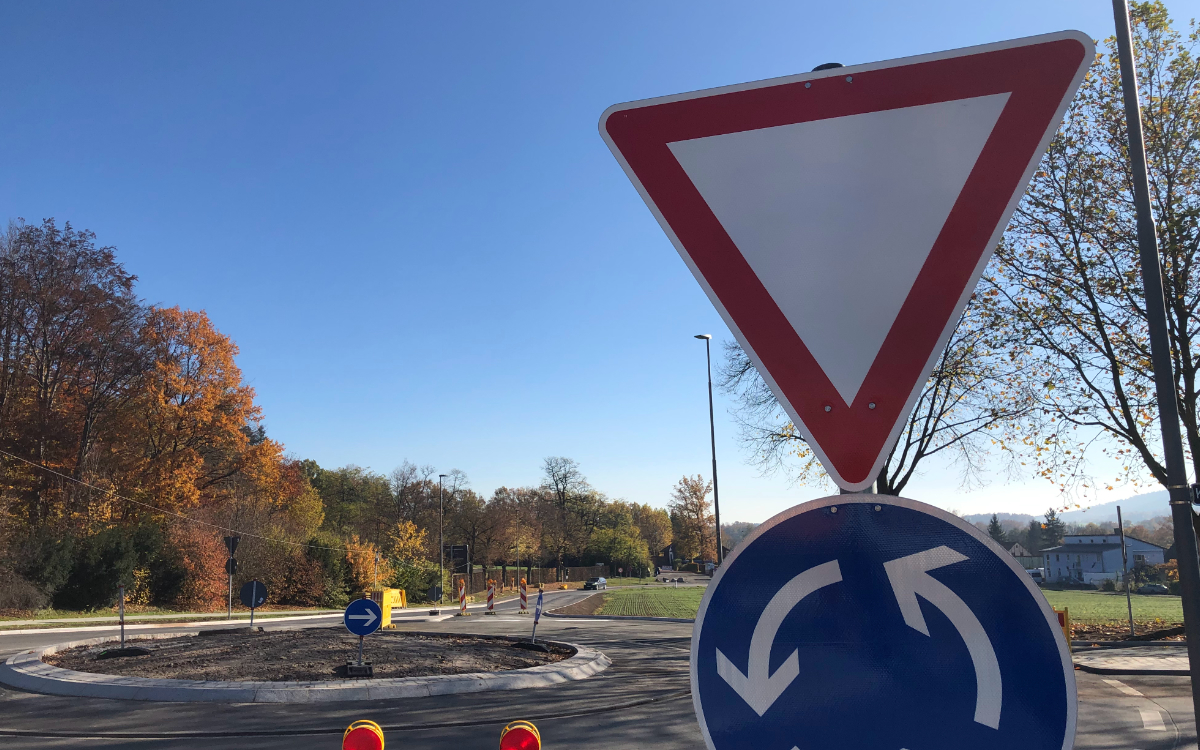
point(839, 220)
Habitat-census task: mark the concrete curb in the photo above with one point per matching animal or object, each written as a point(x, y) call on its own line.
point(620, 617)
point(27, 671)
point(134, 626)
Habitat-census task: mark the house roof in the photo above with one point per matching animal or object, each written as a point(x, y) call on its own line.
point(1080, 548)
point(1114, 536)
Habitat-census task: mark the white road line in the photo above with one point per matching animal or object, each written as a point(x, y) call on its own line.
point(1124, 688)
point(1152, 720)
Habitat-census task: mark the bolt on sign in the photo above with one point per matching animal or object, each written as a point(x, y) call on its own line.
point(839, 220)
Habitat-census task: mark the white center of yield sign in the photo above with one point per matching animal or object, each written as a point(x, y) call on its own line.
point(840, 269)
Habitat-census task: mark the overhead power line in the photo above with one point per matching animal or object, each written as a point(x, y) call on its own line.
point(172, 513)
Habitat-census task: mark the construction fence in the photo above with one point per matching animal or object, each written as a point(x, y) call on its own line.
point(507, 578)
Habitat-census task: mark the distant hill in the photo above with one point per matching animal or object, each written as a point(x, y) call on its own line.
point(1020, 518)
point(732, 534)
point(1133, 509)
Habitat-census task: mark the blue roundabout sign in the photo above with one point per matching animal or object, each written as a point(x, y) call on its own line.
point(878, 623)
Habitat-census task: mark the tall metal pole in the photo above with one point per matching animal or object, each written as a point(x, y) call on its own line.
point(712, 435)
point(1160, 353)
point(441, 541)
point(1125, 569)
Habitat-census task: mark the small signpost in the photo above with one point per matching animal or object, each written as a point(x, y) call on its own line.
point(121, 611)
point(231, 544)
point(537, 615)
point(362, 617)
point(253, 595)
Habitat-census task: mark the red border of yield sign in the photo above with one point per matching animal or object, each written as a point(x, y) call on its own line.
point(1040, 74)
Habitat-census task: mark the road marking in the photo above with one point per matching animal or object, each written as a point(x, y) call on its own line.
point(1124, 688)
point(1152, 720)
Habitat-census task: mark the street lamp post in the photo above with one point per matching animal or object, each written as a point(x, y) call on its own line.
point(1176, 478)
point(441, 540)
point(712, 434)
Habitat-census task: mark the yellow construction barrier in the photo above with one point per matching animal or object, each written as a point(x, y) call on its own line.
point(387, 599)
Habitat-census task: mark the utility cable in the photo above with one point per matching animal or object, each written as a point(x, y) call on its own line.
point(180, 516)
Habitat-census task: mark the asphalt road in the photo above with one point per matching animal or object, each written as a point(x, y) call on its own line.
point(642, 701)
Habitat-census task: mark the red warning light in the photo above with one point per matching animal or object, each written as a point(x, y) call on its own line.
point(520, 735)
point(363, 735)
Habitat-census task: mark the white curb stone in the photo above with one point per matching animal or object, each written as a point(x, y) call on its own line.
point(27, 671)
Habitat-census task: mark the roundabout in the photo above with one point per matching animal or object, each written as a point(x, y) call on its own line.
point(434, 664)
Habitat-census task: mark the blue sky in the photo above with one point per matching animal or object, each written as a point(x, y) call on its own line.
point(405, 217)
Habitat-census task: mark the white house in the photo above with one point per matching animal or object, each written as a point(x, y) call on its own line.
point(1091, 558)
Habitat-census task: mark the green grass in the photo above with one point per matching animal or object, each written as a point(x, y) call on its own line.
point(665, 601)
point(613, 582)
point(1105, 606)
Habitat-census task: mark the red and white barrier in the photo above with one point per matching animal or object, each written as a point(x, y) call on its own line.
point(462, 597)
point(524, 597)
point(491, 608)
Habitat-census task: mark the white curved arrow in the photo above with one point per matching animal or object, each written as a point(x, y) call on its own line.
point(757, 687)
point(910, 577)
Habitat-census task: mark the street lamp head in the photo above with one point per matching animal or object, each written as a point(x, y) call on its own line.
point(703, 336)
point(442, 476)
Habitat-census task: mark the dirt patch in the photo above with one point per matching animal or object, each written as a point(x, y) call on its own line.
point(1120, 631)
point(589, 606)
point(311, 654)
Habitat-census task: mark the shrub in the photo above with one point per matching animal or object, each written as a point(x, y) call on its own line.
point(1108, 584)
point(18, 593)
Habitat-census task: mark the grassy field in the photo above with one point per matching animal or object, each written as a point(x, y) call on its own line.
point(664, 601)
point(1104, 606)
point(1086, 607)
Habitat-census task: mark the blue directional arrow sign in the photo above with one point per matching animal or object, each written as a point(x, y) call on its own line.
point(362, 617)
point(878, 623)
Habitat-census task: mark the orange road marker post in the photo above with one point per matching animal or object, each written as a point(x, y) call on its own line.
point(363, 735)
point(520, 735)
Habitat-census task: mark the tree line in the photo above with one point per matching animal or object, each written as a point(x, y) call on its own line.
point(130, 444)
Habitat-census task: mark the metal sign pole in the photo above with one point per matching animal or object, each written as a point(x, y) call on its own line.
point(229, 611)
point(1182, 514)
point(1125, 569)
point(121, 591)
point(360, 641)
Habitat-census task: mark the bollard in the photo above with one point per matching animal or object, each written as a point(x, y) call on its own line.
point(491, 595)
point(520, 735)
point(524, 598)
point(1064, 622)
point(462, 597)
point(363, 735)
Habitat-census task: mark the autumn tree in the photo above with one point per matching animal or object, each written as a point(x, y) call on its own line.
point(565, 486)
point(654, 526)
point(1068, 273)
point(967, 410)
point(694, 525)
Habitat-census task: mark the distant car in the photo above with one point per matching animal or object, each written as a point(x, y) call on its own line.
point(1038, 575)
point(1154, 588)
point(595, 584)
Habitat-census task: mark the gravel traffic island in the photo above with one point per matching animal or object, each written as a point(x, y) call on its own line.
point(296, 666)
